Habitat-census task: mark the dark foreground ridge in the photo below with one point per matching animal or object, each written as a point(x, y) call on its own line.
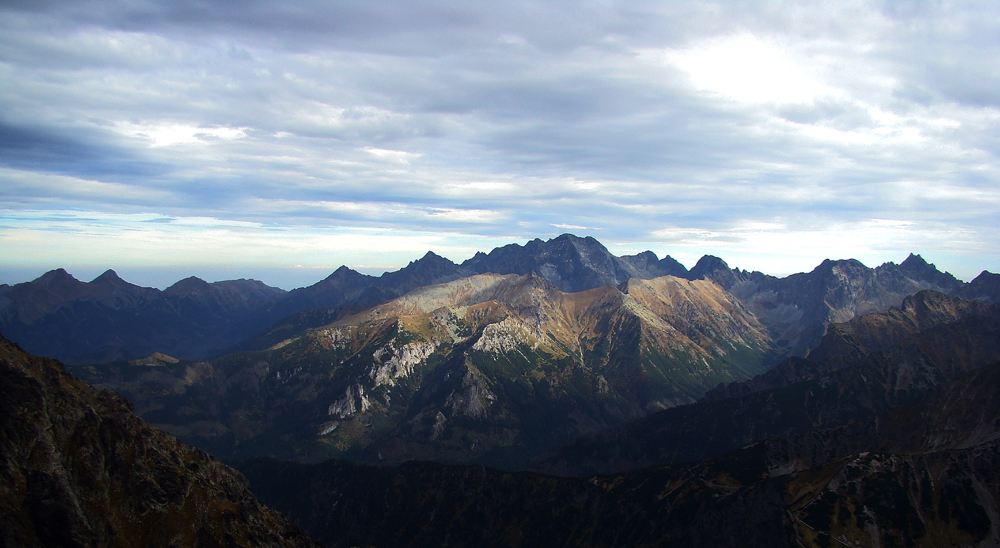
point(926, 474)
point(79, 469)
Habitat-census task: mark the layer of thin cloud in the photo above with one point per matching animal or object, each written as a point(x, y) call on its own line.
point(503, 121)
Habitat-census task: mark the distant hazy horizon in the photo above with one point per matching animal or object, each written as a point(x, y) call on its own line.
point(292, 278)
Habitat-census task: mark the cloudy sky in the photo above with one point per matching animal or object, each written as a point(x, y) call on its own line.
point(279, 140)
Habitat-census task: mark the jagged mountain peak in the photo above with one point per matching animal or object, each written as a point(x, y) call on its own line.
point(647, 265)
point(705, 265)
point(431, 255)
point(188, 286)
point(648, 256)
point(914, 260)
point(570, 262)
point(916, 268)
point(109, 275)
point(429, 269)
point(342, 274)
point(52, 277)
point(715, 269)
point(429, 260)
point(831, 265)
point(985, 287)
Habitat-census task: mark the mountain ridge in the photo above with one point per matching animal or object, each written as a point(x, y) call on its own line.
point(198, 322)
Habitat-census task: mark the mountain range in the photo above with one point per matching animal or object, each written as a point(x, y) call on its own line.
point(490, 368)
point(860, 369)
point(497, 368)
point(110, 319)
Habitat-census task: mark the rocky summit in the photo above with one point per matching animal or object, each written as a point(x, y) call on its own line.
point(80, 469)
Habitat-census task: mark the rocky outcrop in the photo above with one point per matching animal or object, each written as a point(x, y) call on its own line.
point(78, 468)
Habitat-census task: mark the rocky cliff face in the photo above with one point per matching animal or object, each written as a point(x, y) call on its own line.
point(78, 468)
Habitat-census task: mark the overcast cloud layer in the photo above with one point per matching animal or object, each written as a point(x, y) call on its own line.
point(279, 140)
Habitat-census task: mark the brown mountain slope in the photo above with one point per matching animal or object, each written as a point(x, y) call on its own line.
point(79, 469)
point(490, 368)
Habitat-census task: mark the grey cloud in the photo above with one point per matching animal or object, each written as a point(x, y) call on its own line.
point(385, 104)
point(69, 152)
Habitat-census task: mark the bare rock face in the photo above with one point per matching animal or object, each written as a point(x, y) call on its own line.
point(78, 468)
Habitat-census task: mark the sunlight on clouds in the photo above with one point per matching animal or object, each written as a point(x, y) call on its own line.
point(161, 135)
point(748, 69)
point(478, 188)
point(400, 156)
point(478, 216)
